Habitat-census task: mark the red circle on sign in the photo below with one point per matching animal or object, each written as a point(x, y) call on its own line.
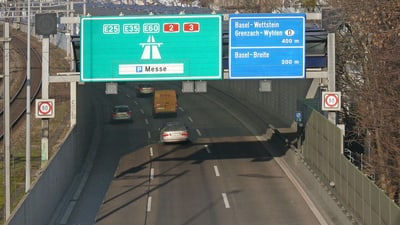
point(45, 108)
point(329, 98)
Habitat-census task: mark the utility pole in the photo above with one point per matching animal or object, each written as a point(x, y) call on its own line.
point(28, 103)
point(7, 130)
point(331, 71)
point(45, 25)
point(45, 95)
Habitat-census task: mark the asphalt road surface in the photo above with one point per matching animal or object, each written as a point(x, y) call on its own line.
point(229, 172)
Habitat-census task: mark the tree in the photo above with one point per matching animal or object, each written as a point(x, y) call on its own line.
point(309, 4)
point(246, 6)
point(369, 38)
point(205, 3)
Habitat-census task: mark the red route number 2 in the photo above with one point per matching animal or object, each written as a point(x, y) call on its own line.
point(171, 27)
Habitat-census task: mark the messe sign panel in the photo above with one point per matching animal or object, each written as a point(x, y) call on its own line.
point(266, 46)
point(151, 48)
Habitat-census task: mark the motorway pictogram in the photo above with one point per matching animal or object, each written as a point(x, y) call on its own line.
point(151, 49)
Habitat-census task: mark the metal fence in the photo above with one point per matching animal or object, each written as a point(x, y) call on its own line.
point(323, 152)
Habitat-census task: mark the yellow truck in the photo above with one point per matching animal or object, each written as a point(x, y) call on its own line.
point(165, 102)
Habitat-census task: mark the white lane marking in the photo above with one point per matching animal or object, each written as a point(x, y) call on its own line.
point(142, 111)
point(146, 121)
point(207, 149)
point(68, 212)
point(283, 165)
point(302, 192)
point(226, 202)
point(148, 134)
point(151, 152)
point(216, 171)
point(198, 132)
point(136, 103)
point(180, 108)
point(151, 173)
point(190, 119)
point(149, 204)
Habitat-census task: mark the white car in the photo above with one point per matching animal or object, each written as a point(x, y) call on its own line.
point(174, 132)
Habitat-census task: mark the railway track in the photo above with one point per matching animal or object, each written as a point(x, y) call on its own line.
point(18, 78)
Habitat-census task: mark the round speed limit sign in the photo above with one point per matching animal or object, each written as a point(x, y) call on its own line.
point(331, 101)
point(44, 108)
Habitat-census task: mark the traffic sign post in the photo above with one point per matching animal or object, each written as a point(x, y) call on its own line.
point(266, 46)
point(146, 48)
point(331, 101)
point(44, 108)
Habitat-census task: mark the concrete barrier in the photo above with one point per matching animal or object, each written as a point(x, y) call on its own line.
point(47, 193)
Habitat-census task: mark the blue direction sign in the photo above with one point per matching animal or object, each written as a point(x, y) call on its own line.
point(146, 48)
point(298, 116)
point(266, 46)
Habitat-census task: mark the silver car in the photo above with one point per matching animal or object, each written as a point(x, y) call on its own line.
point(121, 113)
point(144, 89)
point(174, 132)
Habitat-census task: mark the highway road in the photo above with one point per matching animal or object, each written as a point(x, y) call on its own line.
point(226, 174)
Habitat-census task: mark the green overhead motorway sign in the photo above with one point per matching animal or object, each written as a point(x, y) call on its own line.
point(146, 48)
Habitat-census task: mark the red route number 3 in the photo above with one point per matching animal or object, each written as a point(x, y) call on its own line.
point(191, 27)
